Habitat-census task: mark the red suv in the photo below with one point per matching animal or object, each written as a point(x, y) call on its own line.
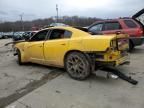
point(132, 26)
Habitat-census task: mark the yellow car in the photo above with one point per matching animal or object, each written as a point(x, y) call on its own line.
point(79, 52)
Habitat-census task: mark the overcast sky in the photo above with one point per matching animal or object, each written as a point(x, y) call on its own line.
point(33, 9)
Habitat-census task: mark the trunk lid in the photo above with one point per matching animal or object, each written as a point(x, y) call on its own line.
point(139, 17)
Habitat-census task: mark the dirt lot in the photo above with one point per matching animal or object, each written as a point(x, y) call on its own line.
point(17, 81)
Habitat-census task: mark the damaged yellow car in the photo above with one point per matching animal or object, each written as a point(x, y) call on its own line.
point(79, 52)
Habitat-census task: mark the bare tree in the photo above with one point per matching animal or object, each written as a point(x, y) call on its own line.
point(39, 23)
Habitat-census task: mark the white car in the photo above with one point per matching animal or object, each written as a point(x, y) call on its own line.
point(0, 35)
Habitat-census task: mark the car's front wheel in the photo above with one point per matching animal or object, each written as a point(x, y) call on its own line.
point(19, 57)
point(77, 65)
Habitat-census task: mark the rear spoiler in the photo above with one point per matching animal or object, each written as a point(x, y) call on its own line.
point(81, 28)
point(86, 30)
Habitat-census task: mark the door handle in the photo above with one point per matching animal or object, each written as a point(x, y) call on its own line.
point(118, 32)
point(63, 44)
point(40, 46)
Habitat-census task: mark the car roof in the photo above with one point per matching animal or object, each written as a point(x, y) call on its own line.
point(111, 20)
point(62, 27)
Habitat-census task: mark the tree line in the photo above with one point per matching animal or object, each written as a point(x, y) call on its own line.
point(40, 23)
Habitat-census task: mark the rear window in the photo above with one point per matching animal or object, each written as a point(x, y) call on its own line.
point(130, 23)
point(112, 26)
point(67, 34)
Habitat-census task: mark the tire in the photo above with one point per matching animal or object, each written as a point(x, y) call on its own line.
point(19, 58)
point(77, 66)
point(131, 46)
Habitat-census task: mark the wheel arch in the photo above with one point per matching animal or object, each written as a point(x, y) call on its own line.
point(23, 57)
point(70, 51)
point(18, 49)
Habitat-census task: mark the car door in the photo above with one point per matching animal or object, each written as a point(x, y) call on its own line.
point(56, 46)
point(112, 27)
point(34, 48)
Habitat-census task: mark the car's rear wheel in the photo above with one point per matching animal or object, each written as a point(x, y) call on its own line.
point(77, 65)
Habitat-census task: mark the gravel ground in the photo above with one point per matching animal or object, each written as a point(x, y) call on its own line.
point(15, 80)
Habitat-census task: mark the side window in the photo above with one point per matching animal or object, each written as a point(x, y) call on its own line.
point(130, 24)
point(59, 34)
point(67, 34)
point(39, 36)
point(96, 28)
point(112, 26)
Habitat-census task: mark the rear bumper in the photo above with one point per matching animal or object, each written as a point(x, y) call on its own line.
point(121, 61)
point(137, 40)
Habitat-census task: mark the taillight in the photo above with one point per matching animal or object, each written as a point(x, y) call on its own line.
point(123, 43)
point(140, 32)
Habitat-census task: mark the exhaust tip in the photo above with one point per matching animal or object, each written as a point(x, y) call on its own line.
point(110, 75)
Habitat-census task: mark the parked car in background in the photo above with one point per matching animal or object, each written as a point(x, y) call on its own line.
point(0, 35)
point(5, 35)
point(18, 36)
point(121, 25)
point(55, 25)
point(130, 26)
